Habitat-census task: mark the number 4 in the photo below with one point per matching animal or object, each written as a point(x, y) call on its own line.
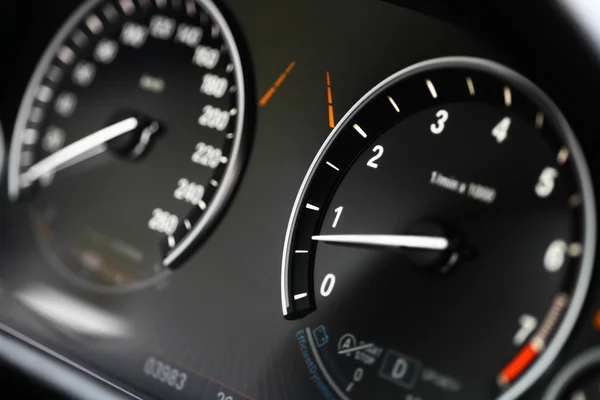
point(500, 131)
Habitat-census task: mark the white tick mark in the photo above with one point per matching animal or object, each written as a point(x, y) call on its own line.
point(394, 104)
point(431, 89)
point(359, 130)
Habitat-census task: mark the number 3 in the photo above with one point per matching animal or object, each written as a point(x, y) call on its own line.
point(438, 128)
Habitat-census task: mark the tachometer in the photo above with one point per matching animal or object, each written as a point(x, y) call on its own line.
point(441, 243)
point(131, 137)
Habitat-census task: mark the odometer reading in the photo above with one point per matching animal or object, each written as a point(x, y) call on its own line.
point(131, 137)
point(441, 244)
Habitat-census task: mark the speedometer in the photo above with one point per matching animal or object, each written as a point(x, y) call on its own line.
point(131, 138)
point(442, 242)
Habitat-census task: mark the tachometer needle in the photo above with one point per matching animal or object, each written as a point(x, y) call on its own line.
point(75, 150)
point(389, 241)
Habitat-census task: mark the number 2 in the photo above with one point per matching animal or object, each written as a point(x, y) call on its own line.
point(438, 128)
point(378, 150)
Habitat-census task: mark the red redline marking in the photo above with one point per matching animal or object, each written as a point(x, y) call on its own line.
point(330, 101)
point(597, 320)
point(213, 380)
point(267, 96)
point(518, 364)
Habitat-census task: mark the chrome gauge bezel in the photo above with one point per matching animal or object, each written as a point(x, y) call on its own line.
point(578, 365)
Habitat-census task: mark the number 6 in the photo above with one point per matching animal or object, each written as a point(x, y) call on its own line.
point(438, 128)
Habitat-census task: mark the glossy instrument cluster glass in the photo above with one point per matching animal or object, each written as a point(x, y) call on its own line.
point(291, 200)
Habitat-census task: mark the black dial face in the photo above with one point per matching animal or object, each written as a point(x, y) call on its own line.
point(131, 138)
point(438, 247)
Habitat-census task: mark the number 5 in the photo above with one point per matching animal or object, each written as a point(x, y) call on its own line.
point(438, 128)
point(546, 182)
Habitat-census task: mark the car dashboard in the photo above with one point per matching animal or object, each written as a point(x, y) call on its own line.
point(290, 200)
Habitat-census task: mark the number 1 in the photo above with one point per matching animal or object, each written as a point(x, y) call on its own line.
point(338, 214)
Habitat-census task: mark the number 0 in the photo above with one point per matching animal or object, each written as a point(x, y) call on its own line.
point(327, 285)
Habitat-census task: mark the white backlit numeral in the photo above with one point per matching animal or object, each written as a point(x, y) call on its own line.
point(500, 131)
point(214, 85)
point(189, 192)
point(327, 285)
point(378, 150)
point(163, 222)
point(65, 104)
point(207, 155)
point(134, 35)
point(54, 139)
point(440, 125)
point(546, 182)
point(554, 258)
point(206, 57)
point(188, 35)
point(83, 74)
point(527, 323)
point(106, 51)
point(162, 27)
point(214, 118)
point(338, 214)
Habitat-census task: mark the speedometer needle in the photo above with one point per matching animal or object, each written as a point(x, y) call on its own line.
point(389, 241)
point(75, 150)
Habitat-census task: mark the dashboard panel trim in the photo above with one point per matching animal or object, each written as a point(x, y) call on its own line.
point(57, 370)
